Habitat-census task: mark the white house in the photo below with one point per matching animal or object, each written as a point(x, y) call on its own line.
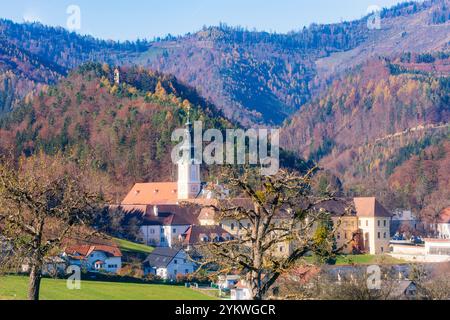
point(167, 263)
point(95, 258)
point(443, 226)
point(241, 291)
point(228, 281)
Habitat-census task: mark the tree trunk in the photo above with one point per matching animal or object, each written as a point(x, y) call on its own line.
point(34, 285)
point(255, 284)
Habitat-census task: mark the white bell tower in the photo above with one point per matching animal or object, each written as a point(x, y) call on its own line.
point(189, 180)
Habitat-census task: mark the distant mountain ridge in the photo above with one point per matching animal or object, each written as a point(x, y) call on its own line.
point(375, 117)
point(253, 77)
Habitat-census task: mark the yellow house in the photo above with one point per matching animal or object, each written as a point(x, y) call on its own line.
point(374, 224)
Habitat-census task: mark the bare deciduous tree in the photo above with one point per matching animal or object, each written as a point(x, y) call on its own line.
point(270, 211)
point(44, 200)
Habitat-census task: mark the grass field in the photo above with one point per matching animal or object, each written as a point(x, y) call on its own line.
point(128, 246)
point(15, 288)
point(367, 259)
point(362, 259)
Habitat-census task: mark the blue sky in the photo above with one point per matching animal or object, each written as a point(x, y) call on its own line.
point(132, 19)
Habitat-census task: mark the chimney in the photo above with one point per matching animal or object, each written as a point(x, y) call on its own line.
point(156, 211)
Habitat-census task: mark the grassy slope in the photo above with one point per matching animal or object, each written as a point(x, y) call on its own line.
point(15, 287)
point(128, 246)
point(363, 259)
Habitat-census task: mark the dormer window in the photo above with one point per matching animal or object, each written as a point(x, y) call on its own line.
point(156, 191)
point(137, 192)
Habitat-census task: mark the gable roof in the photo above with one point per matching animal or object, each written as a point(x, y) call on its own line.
point(444, 217)
point(152, 194)
point(370, 207)
point(195, 234)
point(85, 250)
point(337, 207)
point(170, 215)
point(161, 257)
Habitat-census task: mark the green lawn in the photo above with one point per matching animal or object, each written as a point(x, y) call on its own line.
point(128, 246)
point(362, 259)
point(15, 288)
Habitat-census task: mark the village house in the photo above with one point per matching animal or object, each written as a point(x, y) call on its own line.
point(197, 235)
point(241, 291)
point(443, 225)
point(167, 263)
point(94, 258)
point(405, 221)
point(374, 224)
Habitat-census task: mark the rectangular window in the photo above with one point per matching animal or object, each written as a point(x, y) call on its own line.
point(385, 235)
point(186, 271)
point(385, 223)
point(175, 261)
point(174, 230)
point(379, 223)
point(367, 223)
point(379, 235)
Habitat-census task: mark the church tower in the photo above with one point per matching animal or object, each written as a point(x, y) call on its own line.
point(189, 176)
point(117, 76)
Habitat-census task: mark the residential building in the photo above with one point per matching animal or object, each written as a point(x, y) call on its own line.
point(374, 224)
point(228, 281)
point(196, 235)
point(404, 221)
point(443, 226)
point(241, 291)
point(94, 258)
point(167, 263)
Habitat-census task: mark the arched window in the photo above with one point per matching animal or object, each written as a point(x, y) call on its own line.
point(232, 226)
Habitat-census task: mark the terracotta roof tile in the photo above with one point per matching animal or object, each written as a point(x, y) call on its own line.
point(445, 216)
point(85, 250)
point(370, 207)
point(152, 194)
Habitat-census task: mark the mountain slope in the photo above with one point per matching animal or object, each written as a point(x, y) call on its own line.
point(253, 77)
point(124, 130)
point(374, 118)
point(33, 56)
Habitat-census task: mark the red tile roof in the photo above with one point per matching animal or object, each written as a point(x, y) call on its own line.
point(83, 251)
point(445, 216)
point(370, 207)
point(152, 194)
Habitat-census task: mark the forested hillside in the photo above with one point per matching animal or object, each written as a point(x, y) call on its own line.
point(253, 77)
point(376, 117)
point(124, 130)
point(423, 182)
